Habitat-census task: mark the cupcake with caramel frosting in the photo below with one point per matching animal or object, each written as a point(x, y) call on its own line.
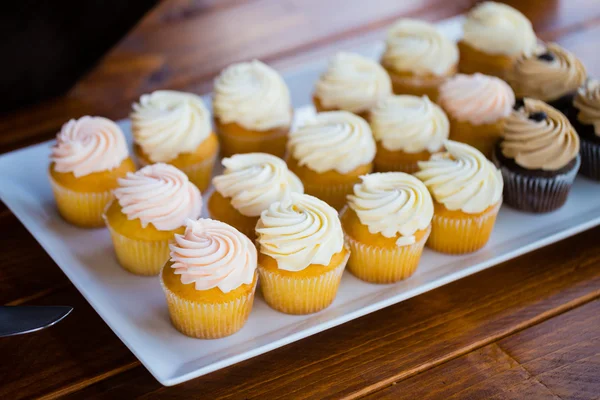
point(253, 110)
point(477, 106)
point(538, 157)
point(585, 117)
point(418, 57)
point(89, 157)
point(407, 129)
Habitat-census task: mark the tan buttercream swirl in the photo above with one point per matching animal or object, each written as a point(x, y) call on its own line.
point(587, 102)
point(549, 144)
point(418, 47)
point(546, 80)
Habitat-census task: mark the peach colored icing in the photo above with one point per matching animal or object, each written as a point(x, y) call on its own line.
point(159, 194)
point(211, 254)
point(587, 102)
point(478, 99)
point(87, 145)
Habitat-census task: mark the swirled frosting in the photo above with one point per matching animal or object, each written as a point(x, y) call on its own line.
point(537, 136)
point(167, 123)
point(478, 99)
point(253, 95)
point(462, 178)
point(211, 254)
point(87, 145)
point(409, 123)
point(299, 231)
point(418, 47)
point(497, 28)
point(254, 181)
point(587, 102)
point(392, 203)
point(352, 83)
point(159, 194)
point(548, 74)
point(335, 140)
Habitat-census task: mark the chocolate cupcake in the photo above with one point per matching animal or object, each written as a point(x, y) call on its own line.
point(585, 117)
point(538, 157)
point(551, 74)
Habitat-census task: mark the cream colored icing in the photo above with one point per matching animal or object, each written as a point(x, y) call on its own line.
point(478, 99)
point(299, 231)
point(159, 194)
point(87, 145)
point(252, 95)
point(335, 140)
point(167, 123)
point(211, 254)
point(497, 28)
point(352, 83)
point(462, 178)
point(587, 102)
point(392, 203)
point(409, 123)
point(254, 181)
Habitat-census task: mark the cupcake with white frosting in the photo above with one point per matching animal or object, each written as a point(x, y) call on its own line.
point(89, 156)
point(351, 83)
point(329, 153)
point(407, 129)
point(150, 206)
point(210, 279)
point(387, 222)
point(252, 108)
point(249, 184)
point(467, 193)
point(302, 254)
point(495, 35)
point(418, 57)
point(175, 128)
point(585, 117)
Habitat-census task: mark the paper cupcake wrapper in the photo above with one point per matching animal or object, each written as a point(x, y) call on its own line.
point(462, 235)
point(274, 143)
point(300, 295)
point(199, 173)
point(208, 320)
point(84, 209)
point(332, 194)
point(384, 265)
point(537, 194)
point(398, 166)
point(590, 159)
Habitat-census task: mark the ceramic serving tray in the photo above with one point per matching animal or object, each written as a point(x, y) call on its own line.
point(135, 309)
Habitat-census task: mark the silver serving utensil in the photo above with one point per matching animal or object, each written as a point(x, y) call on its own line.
point(16, 320)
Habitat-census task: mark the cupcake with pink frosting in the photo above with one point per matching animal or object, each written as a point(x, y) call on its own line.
point(210, 279)
point(477, 106)
point(150, 207)
point(89, 156)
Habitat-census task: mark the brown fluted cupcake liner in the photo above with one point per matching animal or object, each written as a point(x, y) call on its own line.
point(590, 159)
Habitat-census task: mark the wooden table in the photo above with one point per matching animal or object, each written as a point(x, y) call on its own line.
point(529, 328)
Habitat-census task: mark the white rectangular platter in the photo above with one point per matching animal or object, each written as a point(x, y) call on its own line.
point(134, 306)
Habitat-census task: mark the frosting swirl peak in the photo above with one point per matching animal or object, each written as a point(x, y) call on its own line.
point(587, 102)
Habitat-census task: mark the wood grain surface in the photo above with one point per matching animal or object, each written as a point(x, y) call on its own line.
point(528, 328)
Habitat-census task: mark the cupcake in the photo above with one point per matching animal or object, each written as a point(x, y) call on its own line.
point(351, 83)
point(551, 74)
point(253, 110)
point(301, 254)
point(249, 184)
point(329, 153)
point(477, 106)
point(151, 206)
point(174, 128)
point(89, 156)
point(585, 117)
point(538, 157)
point(467, 194)
point(387, 222)
point(495, 35)
point(418, 57)
point(407, 129)
point(210, 280)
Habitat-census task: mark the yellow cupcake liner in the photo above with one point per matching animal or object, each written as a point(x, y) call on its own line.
point(199, 173)
point(462, 235)
point(208, 320)
point(273, 143)
point(83, 209)
point(384, 265)
point(397, 166)
point(300, 295)
point(332, 194)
